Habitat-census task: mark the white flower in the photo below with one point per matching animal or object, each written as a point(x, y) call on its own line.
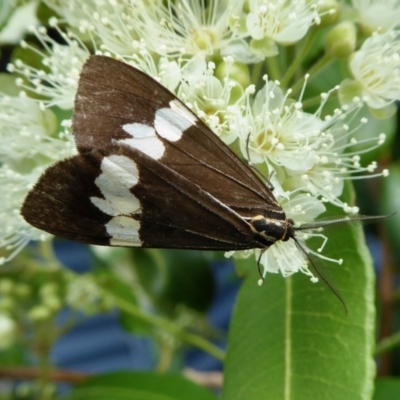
point(168, 28)
point(83, 294)
point(376, 68)
point(62, 63)
point(306, 153)
point(28, 145)
point(29, 141)
point(167, 72)
point(310, 159)
point(19, 16)
point(114, 25)
point(285, 257)
point(187, 28)
point(280, 134)
point(284, 22)
point(335, 162)
point(72, 12)
point(7, 331)
point(207, 96)
point(378, 16)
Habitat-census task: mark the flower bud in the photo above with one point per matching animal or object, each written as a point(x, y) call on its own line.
point(48, 289)
point(237, 71)
point(341, 40)
point(22, 290)
point(39, 313)
point(6, 286)
point(53, 303)
point(348, 91)
point(265, 47)
point(330, 12)
point(7, 331)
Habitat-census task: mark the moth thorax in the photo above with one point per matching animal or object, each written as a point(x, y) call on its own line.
point(272, 229)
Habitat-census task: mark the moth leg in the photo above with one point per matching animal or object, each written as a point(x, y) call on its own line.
point(271, 186)
point(261, 280)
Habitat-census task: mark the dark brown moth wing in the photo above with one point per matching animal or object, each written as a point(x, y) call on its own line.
point(60, 204)
point(118, 196)
point(116, 103)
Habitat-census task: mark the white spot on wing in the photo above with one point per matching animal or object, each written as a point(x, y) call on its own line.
point(124, 231)
point(119, 174)
point(144, 138)
point(170, 123)
point(180, 109)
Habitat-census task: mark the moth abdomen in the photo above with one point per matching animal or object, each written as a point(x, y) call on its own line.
point(272, 229)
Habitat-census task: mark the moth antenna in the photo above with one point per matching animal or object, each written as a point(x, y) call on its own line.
point(336, 222)
point(250, 164)
point(328, 281)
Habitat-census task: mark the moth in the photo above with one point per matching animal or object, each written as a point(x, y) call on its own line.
point(150, 173)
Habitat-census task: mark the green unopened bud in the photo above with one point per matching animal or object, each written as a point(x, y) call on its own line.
point(236, 71)
point(6, 286)
point(349, 91)
point(238, 22)
point(49, 120)
point(53, 302)
point(7, 304)
point(265, 47)
point(39, 313)
point(48, 289)
point(7, 331)
point(23, 290)
point(329, 12)
point(367, 30)
point(246, 6)
point(341, 40)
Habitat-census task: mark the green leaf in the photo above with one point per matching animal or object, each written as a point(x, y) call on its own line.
point(13, 356)
point(190, 280)
point(290, 338)
point(116, 286)
point(139, 386)
point(390, 196)
point(174, 277)
point(387, 389)
point(390, 202)
point(149, 266)
point(44, 13)
point(123, 290)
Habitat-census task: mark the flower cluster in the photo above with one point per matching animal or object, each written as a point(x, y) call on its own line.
point(222, 59)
